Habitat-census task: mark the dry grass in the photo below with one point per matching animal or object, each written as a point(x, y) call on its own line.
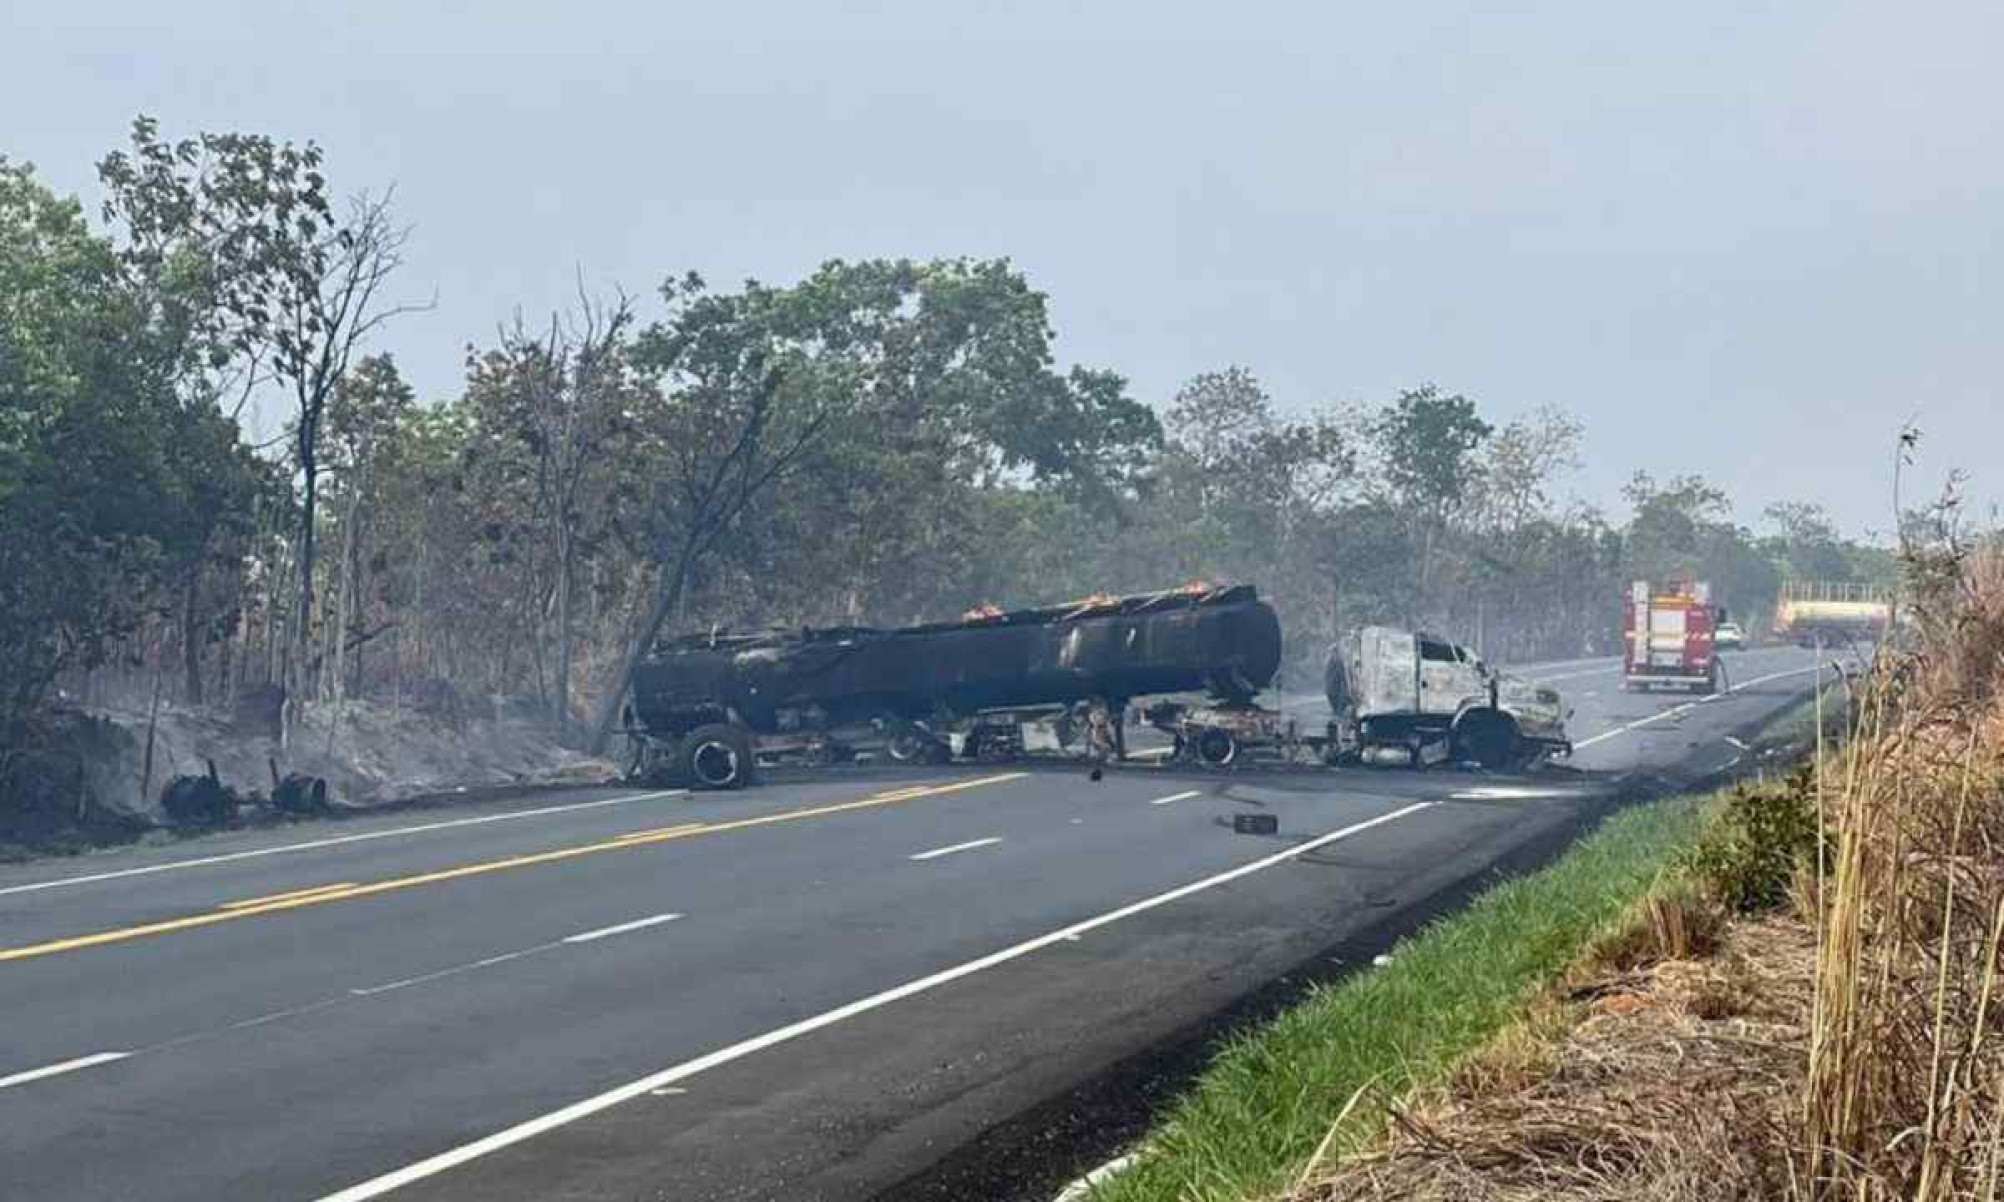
point(1906, 1070)
point(1644, 1076)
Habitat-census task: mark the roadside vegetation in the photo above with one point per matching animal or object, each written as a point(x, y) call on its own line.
point(219, 493)
point(1789, 990)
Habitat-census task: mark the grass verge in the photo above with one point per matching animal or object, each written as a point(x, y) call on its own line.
point(1265, 1107)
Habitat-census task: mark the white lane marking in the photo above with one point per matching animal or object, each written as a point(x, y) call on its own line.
point(1736, 742)
point(505, 957)
point(1151, 753)
point(1505, 793)
point(947, 851)
point(622, 928)
point(432, 1166)
point(1600, 671)
point(1184, 796)
point(315, 844)
point(454, 971)
point(1080, 1190)
point(67, 1066)
point(1688, 706)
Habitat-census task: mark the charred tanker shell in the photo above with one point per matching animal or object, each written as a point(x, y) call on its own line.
point(1222, 641)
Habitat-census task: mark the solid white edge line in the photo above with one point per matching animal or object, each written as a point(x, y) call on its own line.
point(947, 851)
point(1688, 706)
point(1183, 796)
point(1081, 1189)
point(337, 841)
point(621, 928)
point(432, 1166)
point(67, 1066)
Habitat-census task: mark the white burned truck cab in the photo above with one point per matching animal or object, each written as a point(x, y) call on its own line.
point(1397, 696)
point(1394, 697)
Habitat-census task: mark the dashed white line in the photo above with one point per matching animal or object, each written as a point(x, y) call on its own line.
point(1183, 796)
point(505, 957)
point(316, 844)
point(622, 928)
point(1688, 706)
point(936, 852)
point(67, 1066)
point(454, 971)
point(376, 1187)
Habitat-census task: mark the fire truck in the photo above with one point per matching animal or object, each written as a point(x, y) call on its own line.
point(1670, 634)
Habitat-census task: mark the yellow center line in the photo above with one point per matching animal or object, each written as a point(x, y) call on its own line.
point(682, 829)
point(334, 893)
point(279, 897)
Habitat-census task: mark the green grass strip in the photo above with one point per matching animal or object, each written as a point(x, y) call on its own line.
point(1258, 1113)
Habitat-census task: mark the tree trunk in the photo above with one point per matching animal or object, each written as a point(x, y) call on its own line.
point(191, 642)
point(302, 619)
point(563, 690)
point(666, 598)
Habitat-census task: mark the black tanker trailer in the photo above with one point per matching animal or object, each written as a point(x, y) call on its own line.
point(704, 707)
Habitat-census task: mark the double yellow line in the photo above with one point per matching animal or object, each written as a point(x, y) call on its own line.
point(348, 890)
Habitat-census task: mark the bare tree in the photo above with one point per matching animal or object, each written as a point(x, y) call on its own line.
point(570, 389)
point(328, 306)
point(730, 441)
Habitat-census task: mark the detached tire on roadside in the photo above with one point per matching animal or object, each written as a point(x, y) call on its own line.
point(718, 756)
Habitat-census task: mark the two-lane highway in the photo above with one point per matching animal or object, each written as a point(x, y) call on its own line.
point(813, 989)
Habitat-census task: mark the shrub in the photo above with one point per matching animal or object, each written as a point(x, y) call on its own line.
point(1748, 857)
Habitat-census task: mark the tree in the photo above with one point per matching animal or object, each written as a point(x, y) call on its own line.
point(234, 237)
point(737, 407)
point(565, 397)
point(327, 302)
point(79, 462)
point(933, 382)
point(1425, 446)
point(361, 426)
point(1808, 542)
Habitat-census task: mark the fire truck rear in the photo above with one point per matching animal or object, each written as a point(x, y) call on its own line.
point(1670, 633)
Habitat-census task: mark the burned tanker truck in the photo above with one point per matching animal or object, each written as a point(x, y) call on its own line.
point(706, 708)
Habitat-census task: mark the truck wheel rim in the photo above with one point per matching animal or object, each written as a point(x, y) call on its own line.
point(715, 763)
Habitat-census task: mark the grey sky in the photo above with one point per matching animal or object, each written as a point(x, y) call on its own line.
point(1746, 240)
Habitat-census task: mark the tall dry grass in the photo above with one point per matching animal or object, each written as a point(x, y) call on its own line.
point(1905, 1087)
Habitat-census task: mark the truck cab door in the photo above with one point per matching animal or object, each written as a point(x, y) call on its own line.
point(1443, 678)
point(1388, 679)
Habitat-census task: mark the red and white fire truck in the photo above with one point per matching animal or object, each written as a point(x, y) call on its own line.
point(1670, 634)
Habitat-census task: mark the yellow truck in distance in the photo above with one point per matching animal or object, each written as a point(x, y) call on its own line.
point(1832, 611)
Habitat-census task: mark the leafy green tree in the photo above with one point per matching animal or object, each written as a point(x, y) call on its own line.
point(81, 453)
point(1426, 444)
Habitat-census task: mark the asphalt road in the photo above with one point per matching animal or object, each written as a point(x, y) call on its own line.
point(850, 985)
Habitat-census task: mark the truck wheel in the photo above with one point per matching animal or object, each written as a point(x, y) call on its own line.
point(1486, 737)
point(718, 757)
point(908, 744)
point(1216, 747)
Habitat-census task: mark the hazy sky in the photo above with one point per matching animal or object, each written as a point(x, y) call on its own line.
point(1747, 240)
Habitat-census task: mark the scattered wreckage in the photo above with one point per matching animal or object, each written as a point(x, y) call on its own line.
point(706, 709)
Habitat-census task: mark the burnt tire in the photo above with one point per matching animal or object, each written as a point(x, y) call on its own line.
point(909, 743)
point(1215, 747)
point(718, 757)
point(1487, 738)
